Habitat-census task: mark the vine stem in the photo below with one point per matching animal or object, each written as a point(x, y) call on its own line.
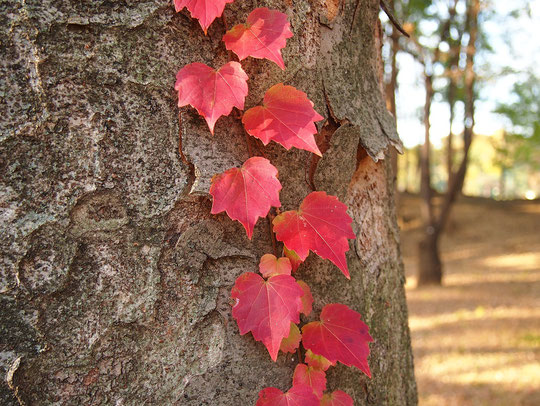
point(248, 143)
point(269, 217)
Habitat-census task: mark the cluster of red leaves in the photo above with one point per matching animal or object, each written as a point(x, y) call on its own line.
point(269, 306)
point(309, 384)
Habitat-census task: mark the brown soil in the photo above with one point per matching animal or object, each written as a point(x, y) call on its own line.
point(476, 340)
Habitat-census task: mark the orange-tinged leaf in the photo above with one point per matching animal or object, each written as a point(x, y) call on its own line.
point(317, 361)
point(322, 225)
point(314, 378)
point(266, 308)
point(293, 257)
point(292, 341)
point(298, 395)
point(307, 298)
point(341, 336)
point(263, 36)
point(212, 92)
point(246, 193)
point(270, 266)
point(286, 117)
point(337, 398)
point(205, 11)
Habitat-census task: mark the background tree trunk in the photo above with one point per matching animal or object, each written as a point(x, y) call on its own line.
point(116, 278)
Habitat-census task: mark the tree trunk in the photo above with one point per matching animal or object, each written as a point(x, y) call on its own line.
point(430, 266)
point(116, 278)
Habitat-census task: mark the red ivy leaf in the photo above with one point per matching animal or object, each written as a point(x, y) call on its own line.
point(271, 266)
point(213, 93)
point(314, 378)
point(298, 395)
point(337, 398)
point(286, 117)
point(293, 257)
point(205, 11)
point(341, 336)
point(266, 308)
point(263, 36)
point(292, 341)
point(246, 193)
point(307, 298)
point(322, 225)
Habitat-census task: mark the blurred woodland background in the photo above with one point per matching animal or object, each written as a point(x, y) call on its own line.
point(464, 87)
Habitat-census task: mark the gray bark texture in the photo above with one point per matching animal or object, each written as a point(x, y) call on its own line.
point(115, 277)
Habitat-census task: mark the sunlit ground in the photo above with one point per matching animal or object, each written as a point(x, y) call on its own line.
point(476, 340)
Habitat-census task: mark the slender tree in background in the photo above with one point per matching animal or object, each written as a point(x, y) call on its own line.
point(457, 77)
point(116, 278)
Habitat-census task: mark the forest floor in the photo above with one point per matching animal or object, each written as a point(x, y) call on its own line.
point(476, 340)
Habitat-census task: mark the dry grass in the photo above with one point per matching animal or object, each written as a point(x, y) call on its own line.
point(476, 340)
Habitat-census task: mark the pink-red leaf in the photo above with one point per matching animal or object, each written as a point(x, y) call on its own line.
point(263, 36)
point(314, 378)
point(292, 341)
point(322, 225)
point(286, 117)
point(266, 308)
point(205, 11)
point(246, 193)
point(337, 398)
point(298, 395)
point(213, 93)
point(341, 336)
point(293, 257)
point(317, 361)
point(307, 298)
point(271, 266)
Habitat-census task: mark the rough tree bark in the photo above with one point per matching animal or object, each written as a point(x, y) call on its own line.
point(115, 277)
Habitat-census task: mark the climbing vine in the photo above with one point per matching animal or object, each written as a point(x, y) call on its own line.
point(269, 305)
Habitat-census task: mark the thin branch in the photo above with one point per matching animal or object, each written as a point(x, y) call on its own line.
point(392, 18)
